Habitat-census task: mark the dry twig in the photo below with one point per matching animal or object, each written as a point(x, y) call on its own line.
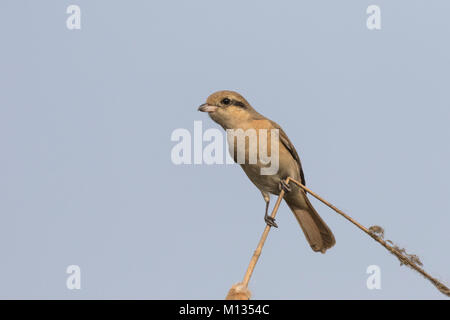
point(376, 232)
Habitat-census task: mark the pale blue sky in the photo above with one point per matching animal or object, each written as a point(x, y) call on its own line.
point(85, 124)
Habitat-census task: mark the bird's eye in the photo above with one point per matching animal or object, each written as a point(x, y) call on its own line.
point(226, 101)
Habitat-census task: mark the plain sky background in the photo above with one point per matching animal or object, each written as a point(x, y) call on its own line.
point(86, 117)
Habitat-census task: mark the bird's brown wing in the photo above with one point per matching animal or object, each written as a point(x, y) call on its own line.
point(288, 144)
point(315, 229)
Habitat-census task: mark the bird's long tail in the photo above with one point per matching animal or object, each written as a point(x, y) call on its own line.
point(316, 231)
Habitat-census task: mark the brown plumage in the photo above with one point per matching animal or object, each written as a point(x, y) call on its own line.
point(230, 110)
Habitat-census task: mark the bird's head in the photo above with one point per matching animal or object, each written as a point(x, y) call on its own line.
point(228, 108)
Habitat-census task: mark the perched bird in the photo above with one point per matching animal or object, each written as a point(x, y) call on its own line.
point(231, 111)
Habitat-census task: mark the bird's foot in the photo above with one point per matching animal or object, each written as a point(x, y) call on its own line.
point(270, 221)
point(284, 186)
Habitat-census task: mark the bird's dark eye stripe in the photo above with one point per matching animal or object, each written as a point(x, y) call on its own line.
point(238, 103)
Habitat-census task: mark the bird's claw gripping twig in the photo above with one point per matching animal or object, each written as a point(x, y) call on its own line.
point(270, 221)
point(284, 186)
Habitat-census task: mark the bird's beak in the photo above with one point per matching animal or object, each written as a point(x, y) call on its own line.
point(207, 108)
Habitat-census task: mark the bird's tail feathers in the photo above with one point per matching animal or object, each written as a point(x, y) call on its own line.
point(316, 231)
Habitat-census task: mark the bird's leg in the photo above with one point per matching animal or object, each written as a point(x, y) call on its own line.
point(284, 186)
point(268, 219)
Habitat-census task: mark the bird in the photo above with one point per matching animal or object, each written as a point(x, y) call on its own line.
point(232, 111)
